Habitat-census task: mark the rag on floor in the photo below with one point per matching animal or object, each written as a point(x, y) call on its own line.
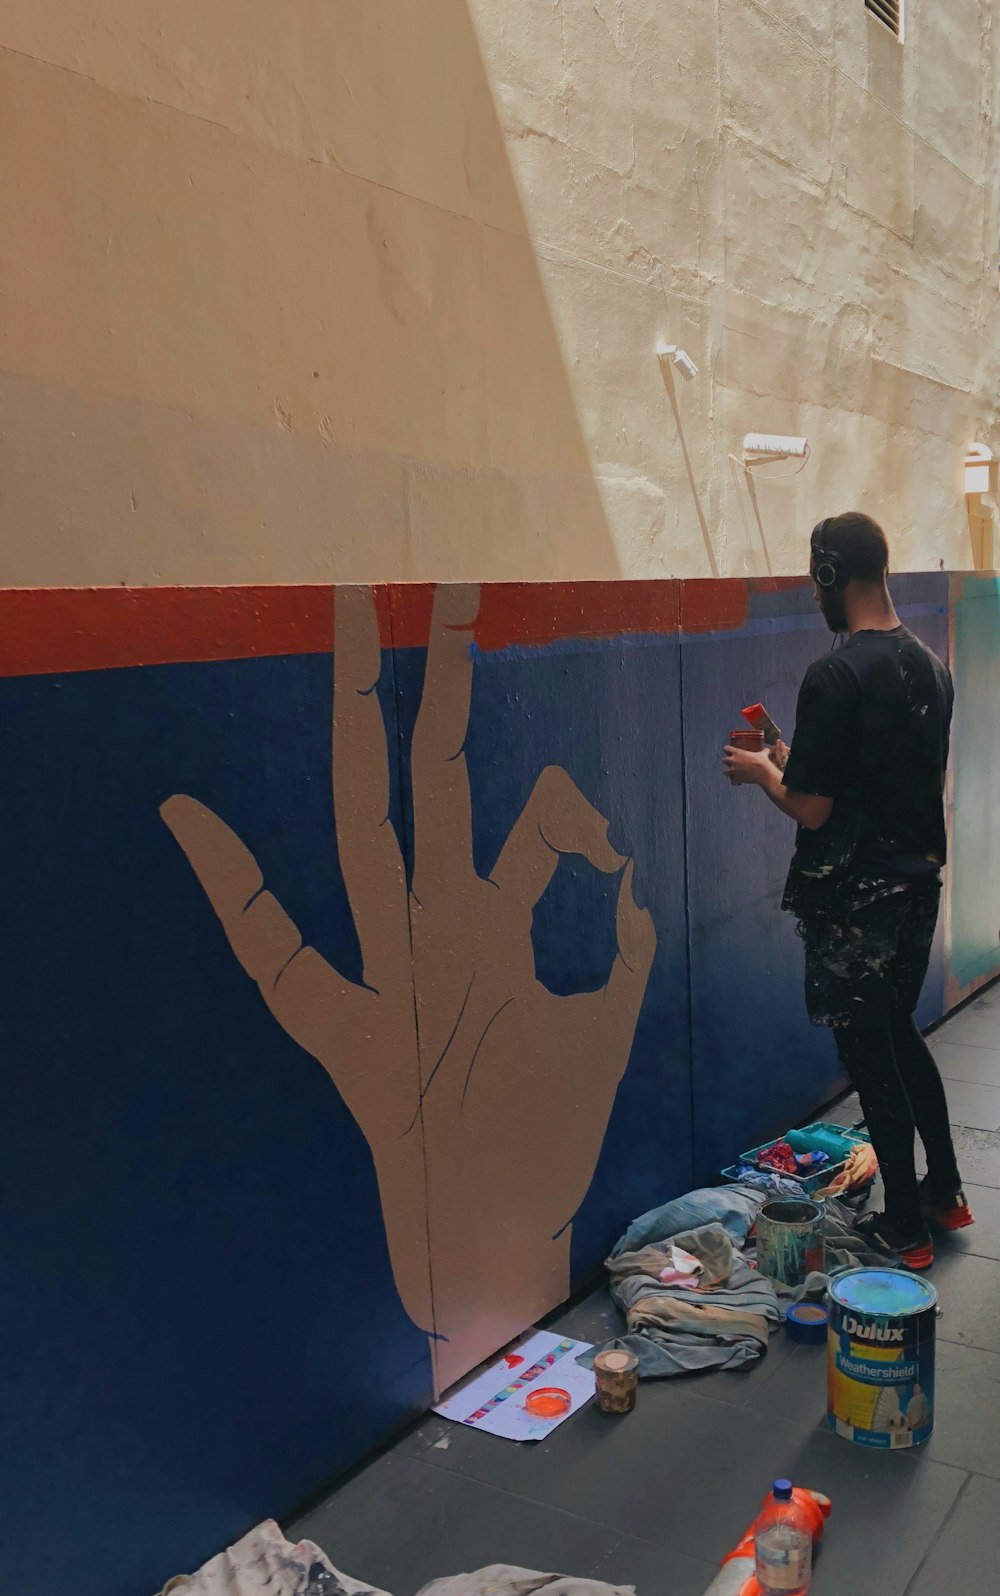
point(263, 1563)
point(735, 1207)
point(723, 1323)
point(500, 1580)
point(859, 1171)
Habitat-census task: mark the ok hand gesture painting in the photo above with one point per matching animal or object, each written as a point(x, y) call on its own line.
point(483, 1096)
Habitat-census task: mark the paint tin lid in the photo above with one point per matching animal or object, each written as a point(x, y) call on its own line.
point(888, 1292)
point(616, 1362)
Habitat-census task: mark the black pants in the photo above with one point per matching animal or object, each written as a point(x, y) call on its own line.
point(864, 973)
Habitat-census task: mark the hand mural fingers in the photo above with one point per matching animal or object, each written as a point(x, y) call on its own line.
point(370, 857)
point(636, 938)
point(307, 997)
point(605, 1020)
point(556, 819)
point(442, 806)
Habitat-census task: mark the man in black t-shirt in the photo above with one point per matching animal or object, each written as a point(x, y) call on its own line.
point(864, 780)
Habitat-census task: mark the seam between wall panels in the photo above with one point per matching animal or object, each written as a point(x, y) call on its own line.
point(407, 850)
point(688, 961)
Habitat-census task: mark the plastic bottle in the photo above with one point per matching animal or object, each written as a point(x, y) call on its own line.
point(783, 1545)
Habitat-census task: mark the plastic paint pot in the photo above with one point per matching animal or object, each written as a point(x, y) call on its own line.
point(807, 1323)
point(790, 1242)
point(751, 741)
point(548, 1402)
point(880, 1357)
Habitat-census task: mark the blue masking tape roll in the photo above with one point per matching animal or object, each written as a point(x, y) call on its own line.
point(807, 1321)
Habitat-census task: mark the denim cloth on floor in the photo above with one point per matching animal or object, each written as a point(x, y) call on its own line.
point(735, 1207)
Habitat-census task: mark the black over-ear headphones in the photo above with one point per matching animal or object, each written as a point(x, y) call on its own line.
point(829, 569)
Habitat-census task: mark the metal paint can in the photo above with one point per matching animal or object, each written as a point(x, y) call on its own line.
point(790, 1242)
point(880, 1357)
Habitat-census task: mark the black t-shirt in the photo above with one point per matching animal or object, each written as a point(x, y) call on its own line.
point(871, 732)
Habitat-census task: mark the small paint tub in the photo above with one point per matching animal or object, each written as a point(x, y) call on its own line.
point(790, 1239)
point(880, 1358)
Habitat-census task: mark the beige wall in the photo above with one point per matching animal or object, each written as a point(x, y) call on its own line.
point(362, 289)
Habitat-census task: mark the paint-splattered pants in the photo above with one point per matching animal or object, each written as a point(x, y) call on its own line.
point(864, 972)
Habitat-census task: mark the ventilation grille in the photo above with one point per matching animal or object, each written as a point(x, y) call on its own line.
point(887, 11)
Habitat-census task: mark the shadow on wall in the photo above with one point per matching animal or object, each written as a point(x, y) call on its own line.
point(327, 298)
point(670, 384)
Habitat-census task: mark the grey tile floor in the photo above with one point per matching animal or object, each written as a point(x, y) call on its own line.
point(656, 1500)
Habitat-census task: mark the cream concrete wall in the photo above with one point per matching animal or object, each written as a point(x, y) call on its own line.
point(362, 289)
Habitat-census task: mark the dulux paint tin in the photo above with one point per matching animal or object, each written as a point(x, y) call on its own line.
point(880, 1357)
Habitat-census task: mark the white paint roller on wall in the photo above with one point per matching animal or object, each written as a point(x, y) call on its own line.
point(678, 357)
point(768, 446)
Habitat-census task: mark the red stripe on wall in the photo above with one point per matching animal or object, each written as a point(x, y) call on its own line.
point(49, 630)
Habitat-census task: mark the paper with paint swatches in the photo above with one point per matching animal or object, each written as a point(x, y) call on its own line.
point(493, 1402)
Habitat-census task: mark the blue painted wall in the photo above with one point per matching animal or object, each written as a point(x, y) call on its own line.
point(193, 1246)
point(194, 1253)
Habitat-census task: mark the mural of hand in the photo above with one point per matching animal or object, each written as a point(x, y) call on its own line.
point(483, 1096)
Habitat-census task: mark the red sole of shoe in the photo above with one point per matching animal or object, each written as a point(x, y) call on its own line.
point(961, 1219)
point(953, 1219)
point(918, 1259)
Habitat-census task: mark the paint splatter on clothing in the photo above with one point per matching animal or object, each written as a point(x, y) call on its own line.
point(871, 732)
point(866, 959)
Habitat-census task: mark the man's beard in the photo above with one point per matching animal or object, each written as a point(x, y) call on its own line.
point(831, 602)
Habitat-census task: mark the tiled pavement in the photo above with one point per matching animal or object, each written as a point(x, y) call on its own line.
point(657, 1499)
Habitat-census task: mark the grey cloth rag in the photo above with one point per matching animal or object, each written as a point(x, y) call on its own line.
point(674, 1330)
point(499, 1580)
point(263, 1563)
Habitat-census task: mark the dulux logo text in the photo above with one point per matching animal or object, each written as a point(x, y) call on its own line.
point(871, 1332)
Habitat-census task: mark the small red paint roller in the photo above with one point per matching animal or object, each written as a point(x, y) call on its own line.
point(757, 717)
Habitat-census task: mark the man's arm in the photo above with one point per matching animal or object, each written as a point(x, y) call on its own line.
point(761, 770)
point(805, 808)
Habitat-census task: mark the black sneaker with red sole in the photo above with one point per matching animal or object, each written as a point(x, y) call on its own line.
point(951, 1214)
point(914, 1252)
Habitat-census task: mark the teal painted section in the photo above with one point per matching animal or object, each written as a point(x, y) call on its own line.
point(975, 763)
